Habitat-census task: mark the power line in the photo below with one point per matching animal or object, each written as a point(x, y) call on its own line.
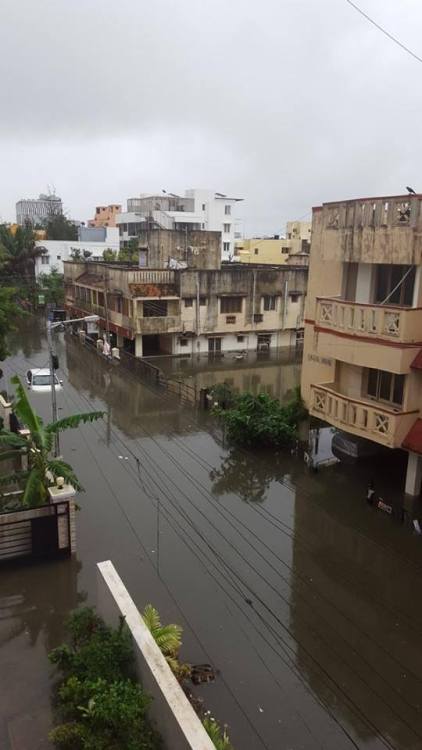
point(384, 31)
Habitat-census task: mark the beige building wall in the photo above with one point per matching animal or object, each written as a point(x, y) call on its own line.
point(352, 329)
point(275, 250)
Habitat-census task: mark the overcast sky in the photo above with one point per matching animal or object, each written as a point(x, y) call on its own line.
point(287, 103)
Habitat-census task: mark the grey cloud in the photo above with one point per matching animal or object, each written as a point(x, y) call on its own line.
point(286, 103)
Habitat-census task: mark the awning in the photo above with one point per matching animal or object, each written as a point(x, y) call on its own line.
point(417, 362)
point(413, 439)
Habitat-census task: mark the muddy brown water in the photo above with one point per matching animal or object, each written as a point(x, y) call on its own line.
point(306, 600)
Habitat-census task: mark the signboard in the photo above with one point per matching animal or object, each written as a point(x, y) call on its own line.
point(91, 327)
point(41, 299)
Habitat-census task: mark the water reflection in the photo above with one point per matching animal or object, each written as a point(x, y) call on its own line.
point(275, 373)
point(36, 598)
point(237, 474)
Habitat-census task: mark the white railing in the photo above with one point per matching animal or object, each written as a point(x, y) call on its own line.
point(390, 323)
point(384, 425)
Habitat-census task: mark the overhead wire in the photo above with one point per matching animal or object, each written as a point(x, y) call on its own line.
point(384, 31)
point(188, 520)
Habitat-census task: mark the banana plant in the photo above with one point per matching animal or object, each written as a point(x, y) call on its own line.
point(37, 446)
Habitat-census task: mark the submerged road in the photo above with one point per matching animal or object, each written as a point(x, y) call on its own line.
point(307, 601)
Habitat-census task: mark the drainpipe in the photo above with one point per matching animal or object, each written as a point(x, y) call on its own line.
point(253, 299)
point(197, 322)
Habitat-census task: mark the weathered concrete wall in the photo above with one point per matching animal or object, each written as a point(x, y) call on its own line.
point(199, 249)
point(176, 720)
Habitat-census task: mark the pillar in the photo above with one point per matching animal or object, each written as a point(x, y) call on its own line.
point(138, 345)
point(57, 495)
point(413, 474)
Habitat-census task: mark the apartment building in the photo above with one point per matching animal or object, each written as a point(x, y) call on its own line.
point(90, 240)
point(37, 211)
point(199, 210)
point(190, 310)
point(362, 367)
point(105, 216)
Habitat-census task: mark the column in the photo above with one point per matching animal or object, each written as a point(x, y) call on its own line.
point(138, 345)
point(413, 474)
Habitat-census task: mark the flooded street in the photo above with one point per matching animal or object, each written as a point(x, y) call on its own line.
point(306, 600)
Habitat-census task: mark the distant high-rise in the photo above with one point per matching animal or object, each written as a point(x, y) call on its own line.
point(37, 211)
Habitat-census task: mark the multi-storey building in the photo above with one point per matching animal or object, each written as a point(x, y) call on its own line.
point(200, 210)
point(193, 309)
point(92, 241)
point(105, 216)
point(362, 368)
point(276, 250)
point(37, 211)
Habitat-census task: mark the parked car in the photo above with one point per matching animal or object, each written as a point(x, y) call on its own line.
point(39, 380)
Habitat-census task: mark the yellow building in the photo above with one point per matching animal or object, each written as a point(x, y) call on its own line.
point(275, 250)
point(39, 234)
point(362, 366)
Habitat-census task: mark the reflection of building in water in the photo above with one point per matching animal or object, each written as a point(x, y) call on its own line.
point(276, 374)
point(134, 407)
point(355, 605)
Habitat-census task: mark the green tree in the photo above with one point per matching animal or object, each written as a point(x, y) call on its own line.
point(261, 420)
point(37, 446)
point(18, 251)
point(59, 227)
point(109, 255)
point(10, 311)
point(51, 285)
point(130, 253)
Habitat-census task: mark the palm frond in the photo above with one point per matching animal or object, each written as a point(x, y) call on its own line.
point(73, 421)
point(23, 409)
point(35, 492)
point(12, 440)
point(4, 455)
point(16, 476)
point(151, 618)
point(60, 468)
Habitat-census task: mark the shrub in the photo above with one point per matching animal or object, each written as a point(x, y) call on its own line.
point(100, 706)
point(219, 736)
point(261, 420)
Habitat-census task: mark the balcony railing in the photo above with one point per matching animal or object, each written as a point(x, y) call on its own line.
point(400, 324)
point(151, 276)
point(160, 324)
point(374, 421)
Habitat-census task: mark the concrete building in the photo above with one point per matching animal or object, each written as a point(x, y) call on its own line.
point(37, 211)
point(275, 250)
point(192, 310)
point(105, 216)
point(200, 210)
point(93, 241)
point(362, 368)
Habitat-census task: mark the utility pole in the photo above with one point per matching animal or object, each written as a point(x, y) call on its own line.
point(105, 278)
point(53, 387)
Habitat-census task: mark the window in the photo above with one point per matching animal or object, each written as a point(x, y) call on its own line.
point(155, 309)
point(59, 257)
point(385, 386)
point(270, 303)
point(240, 339)
point(203, 206)
point(189, 302)
point(226, 247)
point(285, 250)
point(183, 342)
point(258, 318)
point(231, 304)
point(45, 260)
point(101, 299)
point(231, 319)
point(256, 251)
point(395, 284)
point(227, 228)
point(119, 305)
point(227, 210)
point(294, 297)
point(202, 301)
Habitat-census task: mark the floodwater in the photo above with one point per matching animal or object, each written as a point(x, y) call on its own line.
point(305, 599)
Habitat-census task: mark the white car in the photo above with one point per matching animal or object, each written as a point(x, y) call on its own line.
point(40, 380)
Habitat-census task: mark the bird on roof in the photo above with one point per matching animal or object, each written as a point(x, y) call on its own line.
point(410, 190)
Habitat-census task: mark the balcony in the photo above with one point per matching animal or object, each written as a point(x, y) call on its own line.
point(382, 424)
point(402, 325)
point(161, 324)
